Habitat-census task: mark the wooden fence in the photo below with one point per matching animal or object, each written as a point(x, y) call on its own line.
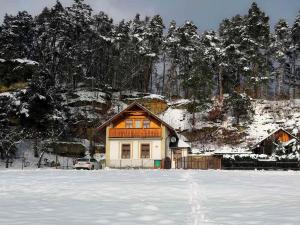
point(198, 162)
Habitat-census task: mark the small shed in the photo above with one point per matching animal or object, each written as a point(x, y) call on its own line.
point(268, 144)
point(180, 150)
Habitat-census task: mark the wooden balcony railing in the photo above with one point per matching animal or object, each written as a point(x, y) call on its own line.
point(134, 132)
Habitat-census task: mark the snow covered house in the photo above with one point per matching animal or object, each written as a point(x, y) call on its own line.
point(278, 138)
point(136, 137)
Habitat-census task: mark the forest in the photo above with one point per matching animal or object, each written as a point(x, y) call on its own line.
point(74, 44)
point(64, 48)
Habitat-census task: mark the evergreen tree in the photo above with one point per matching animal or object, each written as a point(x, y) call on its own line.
point(79, 20)
point(240, 105)
point(294, 74)
point(256, 40)
point(200, 83)
point(101, 58)
point(233, 59)
point(188, 45)
point(122, 56)
point(16, 36)
point(52, 41)
point(153, 44)
point(280, 47)
point(171, 56)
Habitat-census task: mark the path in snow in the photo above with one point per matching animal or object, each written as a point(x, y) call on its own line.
point(196, 200)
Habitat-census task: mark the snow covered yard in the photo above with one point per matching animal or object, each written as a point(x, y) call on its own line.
point(149, 197)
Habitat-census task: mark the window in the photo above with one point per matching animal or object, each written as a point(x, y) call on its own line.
point(137, 124)
point(128, 123)
point(125, 151)
point(82, 160)
point(145, 151)
point(146, 124)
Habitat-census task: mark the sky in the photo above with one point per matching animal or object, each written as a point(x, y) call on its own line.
point(206, 14)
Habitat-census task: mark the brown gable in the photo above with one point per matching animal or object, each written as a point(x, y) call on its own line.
point(134, 106)
point(275, 134)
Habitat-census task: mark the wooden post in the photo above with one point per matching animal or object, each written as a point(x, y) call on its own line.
point(23, 159)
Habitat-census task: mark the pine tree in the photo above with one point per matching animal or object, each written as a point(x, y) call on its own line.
point(79, 19)
point(188, 45)
point(122, 56)
point(257, 39)
point(101, 55)
point(52, 41)
point(294, 55)
point(153, 44)
point(280, 47)
point(200, 83)
point(240, 105)
point(171, 58)
point(16, 36)
point(233, 63)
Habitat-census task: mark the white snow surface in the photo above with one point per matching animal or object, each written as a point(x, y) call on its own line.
point(26, 61)
point(88, 96)
point(33, 197)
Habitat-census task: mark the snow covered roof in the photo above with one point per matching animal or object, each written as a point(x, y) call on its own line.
point(182, 144)
point(273, 132)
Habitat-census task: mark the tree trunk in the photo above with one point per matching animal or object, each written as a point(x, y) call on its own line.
point(7, 161)
point(220, 83)
point(164, 75)
point(40, 159)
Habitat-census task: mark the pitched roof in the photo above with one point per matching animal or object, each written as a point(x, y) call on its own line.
point(106, 123)
point(254, 146)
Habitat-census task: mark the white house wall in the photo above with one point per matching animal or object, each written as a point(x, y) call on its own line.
point(115, 146)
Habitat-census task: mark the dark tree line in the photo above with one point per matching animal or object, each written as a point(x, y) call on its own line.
point(73, 45)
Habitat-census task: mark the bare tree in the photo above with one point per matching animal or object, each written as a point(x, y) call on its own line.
point(9, 138)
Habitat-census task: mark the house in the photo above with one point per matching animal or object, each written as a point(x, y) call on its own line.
point(137, 138)
point(268, 144)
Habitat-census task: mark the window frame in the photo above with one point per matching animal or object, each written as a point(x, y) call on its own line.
point(126, 150)
point(141, 151)
point(127, 123)
point(140, 123)
point(148, 124)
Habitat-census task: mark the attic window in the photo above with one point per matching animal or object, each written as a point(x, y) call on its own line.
point(128, 124)
point(146, 124)
point(137, 124)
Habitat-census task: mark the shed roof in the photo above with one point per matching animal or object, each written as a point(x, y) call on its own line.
point(273, 132)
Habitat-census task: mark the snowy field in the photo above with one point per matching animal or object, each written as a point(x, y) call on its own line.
point(34, 197)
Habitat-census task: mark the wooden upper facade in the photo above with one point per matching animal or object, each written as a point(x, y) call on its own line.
point(135, 122)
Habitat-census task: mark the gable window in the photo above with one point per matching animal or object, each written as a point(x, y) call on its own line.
point(137, 124)
point(145, 151)
point(125, 154)
point(146, 124)
point(128, 124)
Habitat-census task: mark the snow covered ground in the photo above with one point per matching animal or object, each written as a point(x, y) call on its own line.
point(148, 197)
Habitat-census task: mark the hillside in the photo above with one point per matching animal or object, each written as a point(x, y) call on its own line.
point(223, 135)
